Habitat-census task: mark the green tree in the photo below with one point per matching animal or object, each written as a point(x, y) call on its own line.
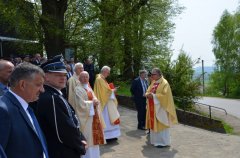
point(181, 79)
point(226, 50)
point(18, 21)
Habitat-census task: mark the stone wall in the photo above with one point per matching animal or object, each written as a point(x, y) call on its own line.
point(187, 118)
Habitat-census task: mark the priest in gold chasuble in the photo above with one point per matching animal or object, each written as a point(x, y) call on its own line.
point(105, 94)
point(161, 112)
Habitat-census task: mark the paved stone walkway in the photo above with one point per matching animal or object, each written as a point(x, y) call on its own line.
point(187, 142)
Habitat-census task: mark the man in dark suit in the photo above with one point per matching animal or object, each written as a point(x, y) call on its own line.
point(21, 135)
point(37, 59)
point(57, 118)
point(89, 67)
point(138, 90)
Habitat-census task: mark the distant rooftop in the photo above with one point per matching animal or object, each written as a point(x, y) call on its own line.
point(10, 39)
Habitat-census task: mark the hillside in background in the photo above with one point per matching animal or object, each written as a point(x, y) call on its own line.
point(198, 72)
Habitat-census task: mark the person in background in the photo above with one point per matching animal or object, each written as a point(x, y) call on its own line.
point(149, 79)
point(105, 93)
point(89, 67)
point(89, 113)
point(21, 135)
point(72, 64)
point(69, 73)
point(161, 112)
point(37, 59)
point(17, 60)
point(56, 116)
point(138, 89)
point(73, 82)
point(26, 58)
point(43, 60)
point(6, 68)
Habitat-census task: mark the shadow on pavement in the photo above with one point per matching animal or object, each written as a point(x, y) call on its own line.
point(107, 148)
point(153, 152)
point(136, 133)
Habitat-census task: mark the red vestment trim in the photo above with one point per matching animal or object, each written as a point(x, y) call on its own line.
point(151, 105)
point(97, 129)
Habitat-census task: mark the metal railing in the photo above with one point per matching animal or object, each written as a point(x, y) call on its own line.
point(184, 102)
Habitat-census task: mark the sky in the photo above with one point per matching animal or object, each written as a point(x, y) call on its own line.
point(194, 27)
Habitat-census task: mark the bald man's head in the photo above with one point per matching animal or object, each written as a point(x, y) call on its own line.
point(6, 68)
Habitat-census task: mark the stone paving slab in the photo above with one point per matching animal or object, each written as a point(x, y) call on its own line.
point(187, 142)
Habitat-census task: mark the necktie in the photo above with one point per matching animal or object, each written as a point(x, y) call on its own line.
point(38, 131)
point(144, 86)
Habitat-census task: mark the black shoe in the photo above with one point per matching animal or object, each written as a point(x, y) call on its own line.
point(111, 140)
point(148, 132)
point(162, 146)
point(142, 128)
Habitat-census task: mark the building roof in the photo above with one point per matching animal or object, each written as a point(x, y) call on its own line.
point(10, 39)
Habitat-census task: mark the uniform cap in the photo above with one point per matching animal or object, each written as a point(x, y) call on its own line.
point(55, 64)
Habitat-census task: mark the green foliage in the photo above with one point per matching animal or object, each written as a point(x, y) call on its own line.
point(124, 88)
point(229, 129)
point(226, 42)
point(126, 35)
point(180, 78)
point(18, 21)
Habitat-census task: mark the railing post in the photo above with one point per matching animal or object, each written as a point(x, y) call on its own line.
point(210, 112)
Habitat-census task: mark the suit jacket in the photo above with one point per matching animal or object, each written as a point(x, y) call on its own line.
point(2, 153)
point(136, 88)
point(1, 92)
point(2, 89)
point(60, 125)
point(18, 137)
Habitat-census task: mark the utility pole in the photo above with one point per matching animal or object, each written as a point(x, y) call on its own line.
point(203, 76)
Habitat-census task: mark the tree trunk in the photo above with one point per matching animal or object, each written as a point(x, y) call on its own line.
point(138, 41)
point(109, 35)
point(52, 21)
point(127, 56)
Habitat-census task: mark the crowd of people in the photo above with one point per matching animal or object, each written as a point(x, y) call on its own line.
point(58, 109)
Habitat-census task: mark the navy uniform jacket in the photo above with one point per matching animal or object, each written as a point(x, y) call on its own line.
point(17, 135)
point(59, 125)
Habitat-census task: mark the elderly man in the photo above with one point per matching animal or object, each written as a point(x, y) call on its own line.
point(73, 82)
point(56, 117)
point(21, 135)
point(6, 68)
point(161, 111)
point(105, 93)
point(138, 89)
point(88, 111)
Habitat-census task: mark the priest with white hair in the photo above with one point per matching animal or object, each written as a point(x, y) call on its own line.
point(89, 113)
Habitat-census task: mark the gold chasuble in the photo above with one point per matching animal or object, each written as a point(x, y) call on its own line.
point(162, 100)
point(103, 92)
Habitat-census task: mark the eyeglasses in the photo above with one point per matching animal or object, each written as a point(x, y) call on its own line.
point(153, 74)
